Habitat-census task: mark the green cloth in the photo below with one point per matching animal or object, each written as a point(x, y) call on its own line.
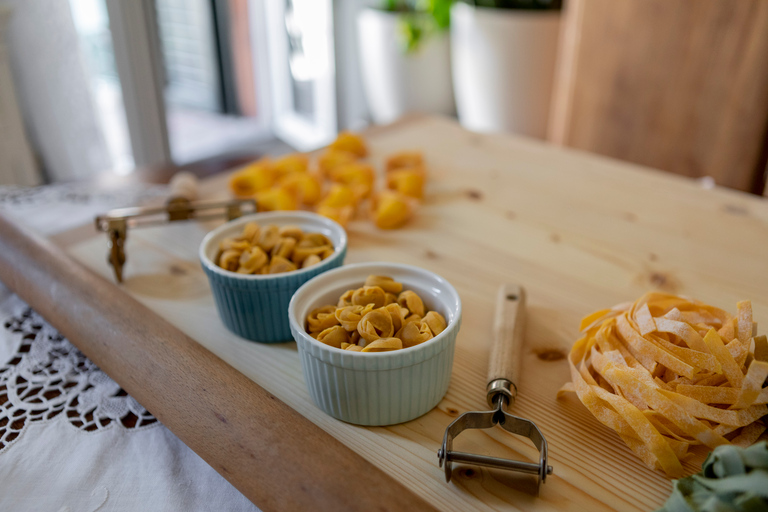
point(731, 480)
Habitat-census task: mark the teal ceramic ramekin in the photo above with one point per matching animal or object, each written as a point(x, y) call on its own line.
point(380, 388)
point(255, 307)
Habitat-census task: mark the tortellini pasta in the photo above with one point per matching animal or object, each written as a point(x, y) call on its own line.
point(253, 178)
point(322, 318)
point(272, 250)
point(385, 283)
point(412, 302)
point(275, 198)
point(358, 177)
point(351, 143)
point(339, 183)
point(377, 317)
point(345, 299)
point(414, 333)
point(252, 260)
point(392, 210)
point(291, 164)
point(369, 295)
point(409, 182)
point(376, 324)
point(334, 336)
point(350, 316)
point(404, 159)
point(435, 321)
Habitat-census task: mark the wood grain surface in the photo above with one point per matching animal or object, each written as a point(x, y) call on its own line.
point(680, 86)
point(579, 232)
point(257, 443)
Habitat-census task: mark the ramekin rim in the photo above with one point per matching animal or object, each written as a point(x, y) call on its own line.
point(211, 266)
point(393, 354)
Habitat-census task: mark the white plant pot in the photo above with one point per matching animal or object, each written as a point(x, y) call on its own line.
point(397, 82)
point(503, 67)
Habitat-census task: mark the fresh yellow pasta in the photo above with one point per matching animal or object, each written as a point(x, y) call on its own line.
point(272, 249)
point(279, 264)
point(413, 333)
point(339, 196)
point(435, 321)
point(333, 158)
point(351, 143)
point(368, 295)
point(357, 176)
point(315, 244)
point(291, 231)
point(345, 299)
point(339, 183)
point(376, 324)
point(306, 188)
point(408, 181)
point(284, 247)
point(376, 320)
point(334, 336)
point(275, 198)
point(384, 345)
point(254, 178)
point(662, 370)
point(391, 209)
point(252, 260)
point(412, 302)
point(234, 244)
point(269, 237)
point(412, 318)
point(321, 319)
point(397, 314)
point(312, 259)
point(342, 214)
point(229, 259)
point(387, 284)
point(404, 159)
point(315, 240)
point(251, 233)
point(290, 164)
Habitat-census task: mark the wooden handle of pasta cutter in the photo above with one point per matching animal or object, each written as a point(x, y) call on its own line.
point(273, 455)
point(509, 332)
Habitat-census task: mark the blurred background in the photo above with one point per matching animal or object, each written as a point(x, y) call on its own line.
point(96, 89)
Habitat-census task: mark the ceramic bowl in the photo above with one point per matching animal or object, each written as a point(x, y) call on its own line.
point(255, 307)
point(380, 388)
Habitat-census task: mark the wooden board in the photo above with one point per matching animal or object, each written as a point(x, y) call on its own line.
point(580, 232)
point(680, 86)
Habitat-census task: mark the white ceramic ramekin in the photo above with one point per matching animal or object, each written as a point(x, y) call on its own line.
point(376, 388)
point(255, 307)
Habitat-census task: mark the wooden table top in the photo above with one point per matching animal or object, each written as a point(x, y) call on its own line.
point(580, 232)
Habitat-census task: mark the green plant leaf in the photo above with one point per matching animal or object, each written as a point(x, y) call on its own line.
point(441, 12)
point(731, 480)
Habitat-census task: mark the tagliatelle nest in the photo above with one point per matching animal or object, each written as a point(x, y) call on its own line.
point(667, 373)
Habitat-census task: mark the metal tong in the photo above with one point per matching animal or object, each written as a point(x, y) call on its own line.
point(181, 205)
point(504, 370)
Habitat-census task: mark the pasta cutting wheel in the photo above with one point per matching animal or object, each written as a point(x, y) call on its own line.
point(503, 372)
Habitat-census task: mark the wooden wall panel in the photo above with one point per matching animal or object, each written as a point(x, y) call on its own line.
point(680, 85)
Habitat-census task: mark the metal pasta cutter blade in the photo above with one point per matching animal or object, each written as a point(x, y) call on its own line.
point(504, 369)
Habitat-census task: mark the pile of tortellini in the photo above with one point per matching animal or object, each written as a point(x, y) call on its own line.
point(337, 185)
point(272, 250)
point(378, 317)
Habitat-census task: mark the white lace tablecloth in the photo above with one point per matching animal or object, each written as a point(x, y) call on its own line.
point(70, 438)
